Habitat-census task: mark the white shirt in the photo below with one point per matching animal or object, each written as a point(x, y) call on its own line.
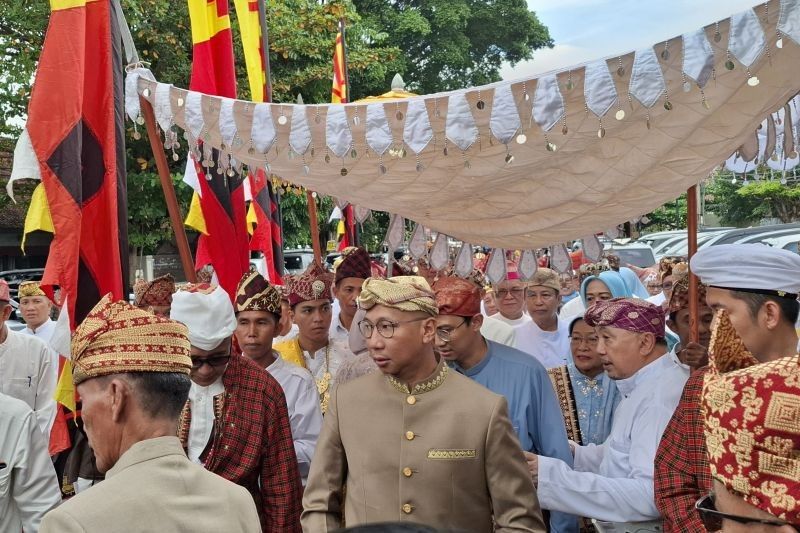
point(27, 373)
point(293, 332)
point(305, 416)
point(614, 481)
point(28, 483)
point(658, 299)
point(498, 331)
point(337, 331)
point(513, 322)
point(551, 348)
point(44, 332)
point(673, 354)
point(202, 422)
point(572, 308)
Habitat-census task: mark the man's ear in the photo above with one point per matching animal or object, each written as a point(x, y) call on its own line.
point(429, 330)
point(476, 321)
point(121, 398)
point(771, 314)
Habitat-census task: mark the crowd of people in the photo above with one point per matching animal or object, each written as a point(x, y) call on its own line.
point(425, 401)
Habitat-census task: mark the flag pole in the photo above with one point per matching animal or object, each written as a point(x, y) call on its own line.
point(169, 191)
point(349, 215)
point(691, 230)
point(262, 20)
point(313, 226)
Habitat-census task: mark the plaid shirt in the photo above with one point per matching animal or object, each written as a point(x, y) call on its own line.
point(252, 444)
point(682, 474)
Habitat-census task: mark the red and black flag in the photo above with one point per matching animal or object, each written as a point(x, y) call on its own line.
point(75, 128)
point(218, 208)
point(266, 236)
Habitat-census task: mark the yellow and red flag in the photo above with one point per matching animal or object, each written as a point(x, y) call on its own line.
point(252, 44)
point(74, 133)
point(223, 242)
point(340, 92)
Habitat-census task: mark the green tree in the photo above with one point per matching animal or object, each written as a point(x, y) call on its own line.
point(733, 209)
point(671, 215)
point(452, 44)
point(774, 199)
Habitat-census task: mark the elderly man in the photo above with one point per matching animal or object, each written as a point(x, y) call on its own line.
point(154, 296)
point(131, 369)
point(28, 483)
point(28, 368)
point(36, 305)
point(416, 442)
point(522, 380)
point(614, 481)
point(753, 441)
point(509, 297)
point(752, 289)
point(313, 348)
point(350, 273)
point(258, 313)
point(236, 422)
point(544, 336)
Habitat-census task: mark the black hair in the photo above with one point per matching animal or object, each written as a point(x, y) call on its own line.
point(161, 395)
point(790, 308)
point(573, 322)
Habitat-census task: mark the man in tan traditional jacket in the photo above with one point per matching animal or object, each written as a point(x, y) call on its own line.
point(416, 442)
point(131, 369)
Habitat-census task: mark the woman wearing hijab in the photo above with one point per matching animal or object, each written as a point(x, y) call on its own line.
point(603, 286)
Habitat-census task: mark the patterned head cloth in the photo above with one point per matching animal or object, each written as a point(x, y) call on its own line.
point(457, 296)
point(631, 314)
point(679, 298)
point(726, 351)
point(613, 261)
point(207, 312)
point(355, 263)
point(254, 293)
point(593, 269)
point(116, 337)
point(313, 284)
point(5, 294)
point(406, 293)
point(154, 293)
point(753, 435)
point(544, 277)
point(667, 263)
point(34, 288)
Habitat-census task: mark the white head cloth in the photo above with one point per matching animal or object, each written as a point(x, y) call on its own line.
point(749, 267)
point(208, 313)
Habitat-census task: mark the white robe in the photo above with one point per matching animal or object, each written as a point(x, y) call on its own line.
point(305, 416)
point(27, 372)
point(44, 332)
point(28, 483)
point(498, 331)
point(614, 481)
point(201, 402)
point(551, 348)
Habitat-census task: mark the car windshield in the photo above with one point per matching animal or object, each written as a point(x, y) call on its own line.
point(640, 257)
point(293, 262)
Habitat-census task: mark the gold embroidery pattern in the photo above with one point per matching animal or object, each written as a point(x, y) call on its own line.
point(452, 454)
point(783, 413)
point(559, 377)
point(425, 386)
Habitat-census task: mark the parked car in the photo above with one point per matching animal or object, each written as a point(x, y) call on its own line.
point(736, 235)
point(298, 260)
point(787, 242)
point(635, 253)
point(681, 246)
point(14, 278)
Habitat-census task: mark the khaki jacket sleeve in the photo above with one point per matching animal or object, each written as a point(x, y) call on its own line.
point(514, 501)
point(323, 500)
point(59, 521)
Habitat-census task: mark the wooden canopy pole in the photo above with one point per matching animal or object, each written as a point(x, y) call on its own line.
point(691, 230)
point(313, 227)
point(169, 191)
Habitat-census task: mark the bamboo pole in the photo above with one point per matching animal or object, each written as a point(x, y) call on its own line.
point(174, 209)
point(691, 219)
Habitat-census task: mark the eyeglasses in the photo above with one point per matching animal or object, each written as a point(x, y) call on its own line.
point(516, 293)
point(384, 327)
point(214, 361)
point(445, 333)
point(712, 519)
point(667, 285)
point(578, 340)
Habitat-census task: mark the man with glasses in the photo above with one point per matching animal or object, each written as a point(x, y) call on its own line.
point(752, 431)
point(416, 442)
point(510, 298)
point(613, 482)
point(544, 336)
point(236, 422)
point(523, 381)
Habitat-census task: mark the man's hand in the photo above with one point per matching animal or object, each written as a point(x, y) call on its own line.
point(694, 355)
point(533, 465)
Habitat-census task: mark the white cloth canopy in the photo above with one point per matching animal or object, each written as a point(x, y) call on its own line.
point(490, 165)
